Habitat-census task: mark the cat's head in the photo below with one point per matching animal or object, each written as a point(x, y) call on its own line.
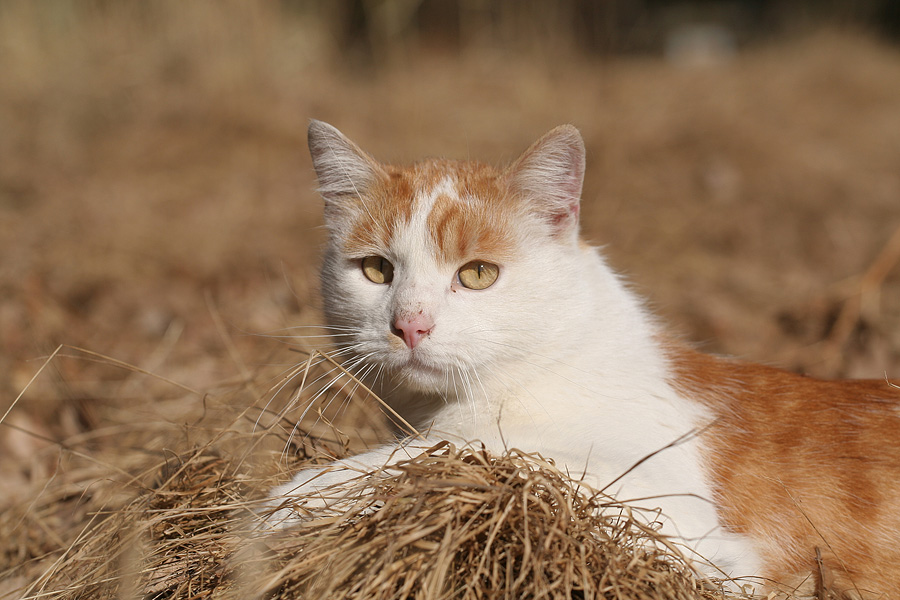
point(438, 273)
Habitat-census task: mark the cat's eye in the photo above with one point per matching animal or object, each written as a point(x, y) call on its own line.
point(377, 269)
point(478, 275)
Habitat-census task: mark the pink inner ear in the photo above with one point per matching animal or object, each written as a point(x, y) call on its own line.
point(571, 186)
point(560, 220)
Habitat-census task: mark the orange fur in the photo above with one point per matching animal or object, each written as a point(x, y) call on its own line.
point(802, 466)
point(476, 224)
point(389, 204)
point(479, 223)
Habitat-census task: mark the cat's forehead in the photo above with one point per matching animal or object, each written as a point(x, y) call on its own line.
point(460, 210)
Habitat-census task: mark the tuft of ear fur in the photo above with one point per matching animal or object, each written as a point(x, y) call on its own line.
point(549, 175)
point(344, 170)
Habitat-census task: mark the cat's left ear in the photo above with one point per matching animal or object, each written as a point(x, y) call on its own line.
point(549, 175)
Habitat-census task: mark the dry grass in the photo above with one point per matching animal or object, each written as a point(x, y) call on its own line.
point(445, 524)
point(450, 524)
point(156, 206)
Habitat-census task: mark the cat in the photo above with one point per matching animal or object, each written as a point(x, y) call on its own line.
point(467, 292)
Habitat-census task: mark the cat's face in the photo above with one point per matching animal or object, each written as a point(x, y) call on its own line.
point(436, 274)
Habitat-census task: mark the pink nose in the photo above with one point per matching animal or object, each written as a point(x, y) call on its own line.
point(412, 329)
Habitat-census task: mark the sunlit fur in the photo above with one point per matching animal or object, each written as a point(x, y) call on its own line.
point(803, 466)
point(752, 468)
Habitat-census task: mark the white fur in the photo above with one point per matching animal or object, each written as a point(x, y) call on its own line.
point(557, 357)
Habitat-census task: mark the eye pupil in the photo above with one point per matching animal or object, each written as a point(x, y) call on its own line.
point(478, 274)
point(377, 269)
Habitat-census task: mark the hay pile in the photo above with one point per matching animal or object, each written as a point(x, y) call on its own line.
point(462, 524)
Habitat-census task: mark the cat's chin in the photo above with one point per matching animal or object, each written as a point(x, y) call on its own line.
point(421, 377)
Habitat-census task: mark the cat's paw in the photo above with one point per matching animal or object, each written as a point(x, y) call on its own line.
point(330, 490)
point(312, 493)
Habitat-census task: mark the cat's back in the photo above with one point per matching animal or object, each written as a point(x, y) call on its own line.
point(806, 466)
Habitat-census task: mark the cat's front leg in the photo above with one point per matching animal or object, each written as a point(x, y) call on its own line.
point(333, 487)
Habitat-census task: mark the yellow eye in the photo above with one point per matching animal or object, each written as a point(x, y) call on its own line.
point(378, 269)
point(478, 275)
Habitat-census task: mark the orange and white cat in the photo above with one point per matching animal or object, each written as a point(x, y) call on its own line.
point(464, 293)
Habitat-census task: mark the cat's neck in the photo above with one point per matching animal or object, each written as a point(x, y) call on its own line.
point(601, 327)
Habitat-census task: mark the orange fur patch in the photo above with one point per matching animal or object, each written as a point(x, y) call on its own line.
point(803, 465)
point(477, 224)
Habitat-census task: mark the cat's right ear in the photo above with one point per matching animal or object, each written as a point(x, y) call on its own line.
point(344, 170)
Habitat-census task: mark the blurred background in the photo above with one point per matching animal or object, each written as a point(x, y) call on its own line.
point(157, 203)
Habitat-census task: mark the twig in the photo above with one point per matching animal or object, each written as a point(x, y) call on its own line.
point(864, 302)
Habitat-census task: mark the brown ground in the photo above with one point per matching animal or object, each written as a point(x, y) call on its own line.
point(156, 206)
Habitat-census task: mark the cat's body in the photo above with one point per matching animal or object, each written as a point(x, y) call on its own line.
point(467, 293)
